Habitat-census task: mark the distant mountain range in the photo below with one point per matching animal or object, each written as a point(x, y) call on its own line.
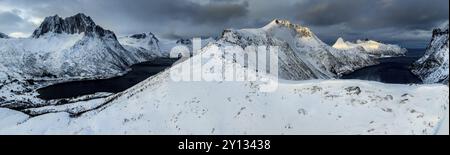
point(371, 47)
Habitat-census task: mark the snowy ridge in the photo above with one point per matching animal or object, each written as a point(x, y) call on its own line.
point(160, 105)
point(303, 55)
point(146, 44)
point(433, 67)
point(371, 47)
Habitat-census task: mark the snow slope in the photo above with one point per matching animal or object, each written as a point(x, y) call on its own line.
point(161, 105)
point(146, 44)
point(433, 67)
point(371, 47)
point(302, 55)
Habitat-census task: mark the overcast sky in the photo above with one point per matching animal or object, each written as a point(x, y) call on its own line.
point(405, 22)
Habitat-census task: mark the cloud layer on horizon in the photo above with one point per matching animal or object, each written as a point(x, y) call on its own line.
point(406, 22)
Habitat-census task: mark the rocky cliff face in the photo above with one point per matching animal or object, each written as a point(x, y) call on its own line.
point(371, 47)
point(433, 67)
point(3, 36)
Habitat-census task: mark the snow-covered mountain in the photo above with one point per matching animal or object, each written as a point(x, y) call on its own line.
point(433, 67)
point(161, 105)
point(184, 41)
point(70, 47)
point(302, 54)
point(144, 44)
point(371, 47)
point(3, 36)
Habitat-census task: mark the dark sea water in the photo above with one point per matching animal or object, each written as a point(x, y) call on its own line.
point(139, 73)
point(390, 70)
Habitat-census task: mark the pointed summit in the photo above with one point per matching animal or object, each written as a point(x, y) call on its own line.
point(79, 23)
point(277, 23)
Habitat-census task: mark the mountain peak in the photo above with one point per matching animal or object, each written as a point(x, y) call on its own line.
point(76, 24)
point(143, 36)
point(304, 31)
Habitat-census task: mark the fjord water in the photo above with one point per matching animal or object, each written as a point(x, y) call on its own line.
point(138, 73)
point(390, 70)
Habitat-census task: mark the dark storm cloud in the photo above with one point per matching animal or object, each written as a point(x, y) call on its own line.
point(398, 21)
point(374, 14)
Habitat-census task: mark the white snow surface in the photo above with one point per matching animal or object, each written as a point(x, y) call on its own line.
point(62, 50)
point(371, 47)
point(160, 105)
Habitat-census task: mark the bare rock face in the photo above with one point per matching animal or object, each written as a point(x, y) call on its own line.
point(77, 24)
point(433, 67)
point(144, 44)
